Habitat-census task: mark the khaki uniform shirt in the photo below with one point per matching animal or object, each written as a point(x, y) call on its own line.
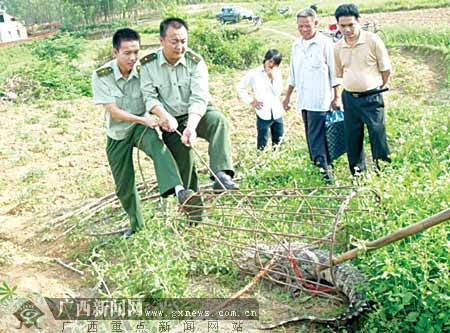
point(360, 65)
point(180, 89)
point(109, 86)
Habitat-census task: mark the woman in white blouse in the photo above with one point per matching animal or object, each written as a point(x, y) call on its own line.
point(266, 84)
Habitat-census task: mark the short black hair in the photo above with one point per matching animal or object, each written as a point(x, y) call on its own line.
point(174, 22)
point(273, 54)
point(347, 9)
point(125, 34)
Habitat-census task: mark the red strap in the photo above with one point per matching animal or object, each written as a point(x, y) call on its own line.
point(311, 286)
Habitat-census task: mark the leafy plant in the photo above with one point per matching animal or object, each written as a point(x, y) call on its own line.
point(226, 48)
point(148, 30)
point(51, 80)
point(58, 48)
point(7, 292)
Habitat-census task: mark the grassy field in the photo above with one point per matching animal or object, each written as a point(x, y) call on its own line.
point(53, 162)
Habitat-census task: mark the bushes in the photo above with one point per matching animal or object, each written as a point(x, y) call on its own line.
point(102, 28)
point(225, 48)
point(49, 80)
point(52, 76)
point(148, 30)
point(58, 48)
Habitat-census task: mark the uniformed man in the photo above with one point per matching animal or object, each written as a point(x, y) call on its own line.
point(174, 83)
point(116, 86)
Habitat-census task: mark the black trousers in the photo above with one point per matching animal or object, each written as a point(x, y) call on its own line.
point(276, 130)
point(316, 137)
point(368, 110)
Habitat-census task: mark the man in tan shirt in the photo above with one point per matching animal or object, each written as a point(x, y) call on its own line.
point(363, 64)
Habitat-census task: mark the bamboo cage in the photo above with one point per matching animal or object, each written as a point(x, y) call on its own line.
point(249, 227)
point(246, 228)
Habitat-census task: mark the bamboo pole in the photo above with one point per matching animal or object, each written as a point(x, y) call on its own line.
point(393, 237)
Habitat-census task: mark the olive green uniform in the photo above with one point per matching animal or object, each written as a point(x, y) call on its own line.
point(109, 86)
point(182, 89)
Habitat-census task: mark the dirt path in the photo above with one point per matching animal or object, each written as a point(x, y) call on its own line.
point(40, 168)
point(291, 36)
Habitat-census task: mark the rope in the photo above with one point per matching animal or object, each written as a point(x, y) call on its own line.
point(308, 285)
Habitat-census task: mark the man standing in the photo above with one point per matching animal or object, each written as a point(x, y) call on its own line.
point(174, 84)
point(116, 86)
point(267, 83)
point(312, 73)
point(363, 63)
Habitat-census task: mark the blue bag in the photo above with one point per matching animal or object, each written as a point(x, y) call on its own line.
point(334, 128)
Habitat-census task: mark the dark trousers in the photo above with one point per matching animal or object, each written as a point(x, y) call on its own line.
point(276, 129)
point(316, 137)
point(362, 110)
point(213, 127)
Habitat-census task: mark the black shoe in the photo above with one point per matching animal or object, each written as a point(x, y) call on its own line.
point(184, 195)
point(226, 183)
point(127, 233)
point(190, 201)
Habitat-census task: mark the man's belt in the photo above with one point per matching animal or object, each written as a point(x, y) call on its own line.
point(368, 92)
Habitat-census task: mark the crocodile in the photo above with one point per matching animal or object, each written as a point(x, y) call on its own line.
point(298, 266)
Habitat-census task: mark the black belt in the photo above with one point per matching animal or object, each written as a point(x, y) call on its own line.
point(368, 92)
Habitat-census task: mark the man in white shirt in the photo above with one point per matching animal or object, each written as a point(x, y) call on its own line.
point(266, 83)
point(312, 73)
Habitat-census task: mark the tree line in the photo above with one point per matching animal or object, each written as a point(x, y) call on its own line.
point(83, 12)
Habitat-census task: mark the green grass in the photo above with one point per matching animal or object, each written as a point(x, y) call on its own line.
point(438, 37)
point(12, 58)
point(429, 41)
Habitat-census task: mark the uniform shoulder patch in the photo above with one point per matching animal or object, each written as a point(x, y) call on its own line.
point(149, 57)
point(104, 71)
point(195, 57)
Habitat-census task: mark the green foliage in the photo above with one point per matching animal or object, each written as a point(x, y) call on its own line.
point(409, 35)
point(103, 55)
point(50, 80)
point(269, 11)
point(153, 263)
point(225, 48)
point(61, 47)
point(171, 10)
point(53, 75)
point(5, 259)
point(148, 30)
point(32, 175)
point(434, 42)
point(7, 292)
point(409, 280)
point(95, 30)
point(13, 57)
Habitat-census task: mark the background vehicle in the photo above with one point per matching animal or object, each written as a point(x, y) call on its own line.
point(233, 14)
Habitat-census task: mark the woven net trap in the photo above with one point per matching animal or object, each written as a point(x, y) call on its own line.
point(280, 231)
point(248, 227)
